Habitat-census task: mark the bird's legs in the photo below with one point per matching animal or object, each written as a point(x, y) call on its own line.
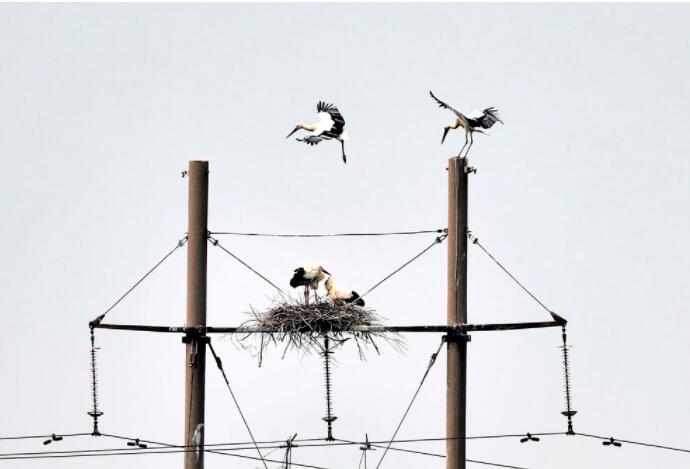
point(306, 294)
point(463, 147)
point(316, 295)
point(471, 142)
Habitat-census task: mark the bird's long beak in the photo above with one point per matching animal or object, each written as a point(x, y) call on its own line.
point(293, 131)
point(445, 132)
point(325, 271)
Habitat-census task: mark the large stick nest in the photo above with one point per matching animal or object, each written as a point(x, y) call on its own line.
point(305, 327)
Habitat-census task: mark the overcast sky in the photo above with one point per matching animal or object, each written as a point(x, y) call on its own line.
point(583, 194)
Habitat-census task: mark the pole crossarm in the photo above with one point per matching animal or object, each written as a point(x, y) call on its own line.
point(445, 329)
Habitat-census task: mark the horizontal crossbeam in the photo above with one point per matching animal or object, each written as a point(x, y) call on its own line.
point(459, 328)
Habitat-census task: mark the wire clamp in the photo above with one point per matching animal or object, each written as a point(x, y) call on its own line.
point(612, 442)
point(528, 437)
point(53, 437)
point(137, 443)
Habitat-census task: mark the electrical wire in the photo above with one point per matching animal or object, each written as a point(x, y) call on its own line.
point(219, 364)
point(426, 373)
point(475, 240)
point(650, 445)
point(215, 242)
point(326, 235)
point(180, 243)
point(41, 437)
point(438, 240)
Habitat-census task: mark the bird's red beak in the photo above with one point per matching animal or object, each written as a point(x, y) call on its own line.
point(293, 131)
point(445, 132)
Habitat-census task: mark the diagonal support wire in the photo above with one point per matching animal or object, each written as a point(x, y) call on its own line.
point(475, 240)
point(438, 240)
point(432, 360)
point(179, 244)
point(215, 242)
point(219, 364)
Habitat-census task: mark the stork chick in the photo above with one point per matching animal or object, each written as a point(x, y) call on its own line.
point(478, 121)
point(331, 125)
point(338, 293)
point(308, 276)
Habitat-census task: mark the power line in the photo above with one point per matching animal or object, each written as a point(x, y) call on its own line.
point(215, 242)
point(437, 455)
point(493, 464)
point(650, 445)
point(438, 240)
point(180, 243)
point(41, 437)
point(326, 235)
point(219, 364)
point(432, 360)
point(475, 240)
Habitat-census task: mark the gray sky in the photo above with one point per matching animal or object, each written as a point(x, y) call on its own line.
point(583, 194)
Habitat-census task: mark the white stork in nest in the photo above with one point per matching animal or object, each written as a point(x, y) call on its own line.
point(331, 125)
point(338, 293)
point(478, 121)
point(308, 276)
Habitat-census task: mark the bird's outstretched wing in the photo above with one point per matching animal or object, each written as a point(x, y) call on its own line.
point(445, 106)
point(311, 140)
point(489, 118)
point(337, 118)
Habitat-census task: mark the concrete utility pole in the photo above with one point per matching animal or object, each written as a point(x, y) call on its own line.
point(195, 355)
point(456, 393)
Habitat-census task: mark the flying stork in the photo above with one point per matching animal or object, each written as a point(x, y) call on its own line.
point(478, 121)
point(331, 125)
point(309, 275)
point(338, 293)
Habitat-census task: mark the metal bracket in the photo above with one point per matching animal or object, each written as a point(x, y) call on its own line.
point(195, 337)
point(470, 169)
point(457, 335)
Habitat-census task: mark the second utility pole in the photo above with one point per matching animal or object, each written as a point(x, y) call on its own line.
point(456, 393)
point(195, 354)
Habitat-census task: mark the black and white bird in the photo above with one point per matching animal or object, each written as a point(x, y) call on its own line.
point(331, 125)
point(478, 121)
point(338, 293)
point(309, 276)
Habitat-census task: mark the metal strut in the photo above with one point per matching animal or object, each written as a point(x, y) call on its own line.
point(329, 418)
point(569, 412)
point(94, 413)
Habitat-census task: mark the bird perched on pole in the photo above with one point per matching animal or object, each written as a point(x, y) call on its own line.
point(338, 293)
point(331, 125)
point(308, 276)
point(478, 121)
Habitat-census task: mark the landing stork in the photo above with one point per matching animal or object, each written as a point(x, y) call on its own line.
point(309, 276)
point(331, 125)
point(478, 121)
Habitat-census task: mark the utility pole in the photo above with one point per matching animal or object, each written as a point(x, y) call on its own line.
point(196, 339)
point(456, 393)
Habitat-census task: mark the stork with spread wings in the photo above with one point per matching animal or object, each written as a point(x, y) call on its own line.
point(331, 125)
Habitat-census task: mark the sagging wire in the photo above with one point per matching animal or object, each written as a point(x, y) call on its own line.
point(326, 235)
